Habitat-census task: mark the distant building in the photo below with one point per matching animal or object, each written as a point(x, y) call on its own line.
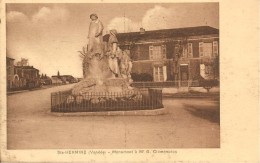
point(70, 78)
point(56, 80)
point(173, 54)
point(21, 77)
point(28, 76)
point(45, 80)
point(65, 78)
point(9, 72)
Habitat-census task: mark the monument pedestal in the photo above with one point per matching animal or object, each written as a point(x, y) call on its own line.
point(92, 85)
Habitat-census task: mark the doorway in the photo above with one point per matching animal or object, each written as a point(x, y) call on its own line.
point(184, 74)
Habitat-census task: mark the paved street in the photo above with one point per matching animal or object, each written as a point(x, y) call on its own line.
point(190, 123)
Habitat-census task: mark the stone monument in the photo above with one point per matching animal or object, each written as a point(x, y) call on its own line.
point(107, 79)
point(101, 69)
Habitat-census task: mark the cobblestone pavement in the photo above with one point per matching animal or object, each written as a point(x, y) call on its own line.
point(190, 123)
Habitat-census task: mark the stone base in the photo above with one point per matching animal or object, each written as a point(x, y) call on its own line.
point(153, 112)
point(95, 85)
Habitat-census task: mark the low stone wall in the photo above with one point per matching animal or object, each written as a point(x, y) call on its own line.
point(189, 89)
point(145, 99)
point(160, 111)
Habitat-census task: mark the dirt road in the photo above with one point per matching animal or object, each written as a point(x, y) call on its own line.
point(190, 123)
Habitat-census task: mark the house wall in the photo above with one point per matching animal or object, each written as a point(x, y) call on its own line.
point(196, 60)
point(194, 69)
point(28, 77)
point(143, 64)
point(142, 67)
point(10, 72)
point(139, 53)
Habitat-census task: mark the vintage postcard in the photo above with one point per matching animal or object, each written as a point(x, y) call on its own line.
point(169, 81)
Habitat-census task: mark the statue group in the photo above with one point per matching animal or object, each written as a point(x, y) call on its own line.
point(118, 60)
point(106, 82)
point(103, 61)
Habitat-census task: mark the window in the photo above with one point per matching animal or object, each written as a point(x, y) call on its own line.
point(215, 48)
point(207, 47)
point(157, 52)
point(160, 73)
point(201, 49)
point(190, 51)
point(208, 69)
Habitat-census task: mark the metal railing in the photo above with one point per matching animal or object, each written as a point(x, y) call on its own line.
point(142, 99)
point(166, 84)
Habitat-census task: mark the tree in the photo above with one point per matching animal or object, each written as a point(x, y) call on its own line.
point(58, 74)
point(208, 84)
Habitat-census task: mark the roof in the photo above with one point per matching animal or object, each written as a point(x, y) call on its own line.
point(55, 77)
point(63, 76)
point(10, 58)
point(165, 33)
point(26, 67)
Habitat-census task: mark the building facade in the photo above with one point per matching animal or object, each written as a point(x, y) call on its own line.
point(45, 80)
point(182, 54)
point(21, 76)
point(64, 79)
point(9, 72)
point(26, 77)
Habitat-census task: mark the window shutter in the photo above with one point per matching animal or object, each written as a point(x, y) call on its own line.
point(201, 49)
point(215, 48)
point(190, 51)
point(176, 49)
point(164, 51)
point(151, 52)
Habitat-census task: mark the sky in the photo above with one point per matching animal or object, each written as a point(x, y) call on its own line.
point(50, 35)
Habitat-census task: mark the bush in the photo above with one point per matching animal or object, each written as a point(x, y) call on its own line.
point(208, 84)
point(141, 77)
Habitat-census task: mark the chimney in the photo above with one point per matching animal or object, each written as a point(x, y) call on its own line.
point(142, 30)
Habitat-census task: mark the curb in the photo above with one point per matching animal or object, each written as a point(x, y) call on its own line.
point(160, 111)
point(15, 92)
point(191, 96)
point(34, 89)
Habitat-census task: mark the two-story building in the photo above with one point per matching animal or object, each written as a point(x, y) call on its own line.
point(65, 78)
point(28, 77)
point(173, 54)
point(9, 72)
point(21, 75)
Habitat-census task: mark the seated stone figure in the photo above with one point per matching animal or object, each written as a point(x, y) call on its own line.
point(112, 53)
point(125, 64)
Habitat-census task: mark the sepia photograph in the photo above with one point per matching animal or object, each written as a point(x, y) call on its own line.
point(129, 81)
point(112, 75)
